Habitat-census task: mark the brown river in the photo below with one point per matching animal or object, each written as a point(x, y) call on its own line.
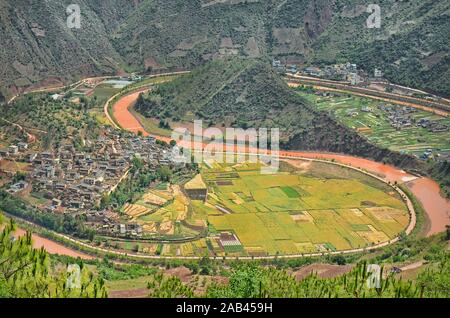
point(424, 189)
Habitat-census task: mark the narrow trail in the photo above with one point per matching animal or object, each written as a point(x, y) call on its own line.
point(31, 138)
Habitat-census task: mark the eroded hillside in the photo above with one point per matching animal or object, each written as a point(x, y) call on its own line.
point(411, 46)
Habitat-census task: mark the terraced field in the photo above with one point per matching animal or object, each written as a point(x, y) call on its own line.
point(375, 125)
point(295, 211)
point(312, 207)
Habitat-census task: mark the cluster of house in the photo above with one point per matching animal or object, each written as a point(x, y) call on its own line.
point(347, 71)
point(283, 68)
point(343, 72)
point(17, 187)
point(401, 117)
point(75, 181)
point(107, 222)
point(433, 125)
point(78, 179)
point(13, 151)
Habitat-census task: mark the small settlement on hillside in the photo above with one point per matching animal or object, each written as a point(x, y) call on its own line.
point(74, 182)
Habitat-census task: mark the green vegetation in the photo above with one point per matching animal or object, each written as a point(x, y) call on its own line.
point(67, 224)
point(249, 280)
point(52, 120)
point(375, 127)
point(140, 177)
point(144, 36)
point(363, 115)
point(441, 172)
point(187, 95)
point(25, 272)
point(316, 209)
point(248, 93)
point(398, 47)
point(109, 272)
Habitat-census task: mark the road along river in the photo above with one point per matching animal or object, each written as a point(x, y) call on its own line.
point(427, 191)
point(424, 189)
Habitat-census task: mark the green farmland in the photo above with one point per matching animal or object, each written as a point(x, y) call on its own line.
point(306, 207)
point(297, 211)
point(375, 125)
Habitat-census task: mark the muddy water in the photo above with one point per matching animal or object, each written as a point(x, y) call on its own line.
point(52, 247)
point(437, 207)
point(124, 117)
point(425, 190)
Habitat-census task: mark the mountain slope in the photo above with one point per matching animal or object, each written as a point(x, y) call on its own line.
point(248, 93)
point(411, 47)
point(37, 45)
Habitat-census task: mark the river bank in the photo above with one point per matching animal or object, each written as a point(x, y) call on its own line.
point(426, 191)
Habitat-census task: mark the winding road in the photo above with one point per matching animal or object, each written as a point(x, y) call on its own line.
point(424, 189)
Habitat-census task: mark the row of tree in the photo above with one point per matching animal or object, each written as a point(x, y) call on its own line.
point(27, 272)
point(249, 280)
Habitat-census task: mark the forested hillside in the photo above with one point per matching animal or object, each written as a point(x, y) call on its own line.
point(411, 46)
point(249, 93)
point(27, 272)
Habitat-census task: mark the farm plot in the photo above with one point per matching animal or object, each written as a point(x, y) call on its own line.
point(290, 213)
point(364, 116)
point(304, 208)
point(168, 214)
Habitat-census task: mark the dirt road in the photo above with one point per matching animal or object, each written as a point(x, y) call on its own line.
point(424, 189)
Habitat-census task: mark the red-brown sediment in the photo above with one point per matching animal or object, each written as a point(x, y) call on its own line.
point(52, 247)
point(424, 189)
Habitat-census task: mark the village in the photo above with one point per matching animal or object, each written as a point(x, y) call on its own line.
point(74, 182)
point(339, 72)
point(401, 117)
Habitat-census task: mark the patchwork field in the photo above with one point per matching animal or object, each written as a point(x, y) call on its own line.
point(363, 115)
point(312, 207)
point(296, 212)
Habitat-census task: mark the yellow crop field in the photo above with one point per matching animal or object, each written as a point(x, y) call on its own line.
point(293, 211)
point(134, 210)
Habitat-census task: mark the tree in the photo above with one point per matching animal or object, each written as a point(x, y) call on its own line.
point(168, 287)
point(164, 173)
point(26, 271)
